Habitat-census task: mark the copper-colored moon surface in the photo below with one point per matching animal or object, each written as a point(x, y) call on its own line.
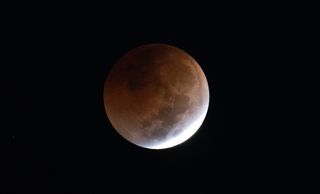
point(156, 96)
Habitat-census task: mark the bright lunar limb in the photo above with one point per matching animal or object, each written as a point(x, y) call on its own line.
point(156, 96)
point(186, 133)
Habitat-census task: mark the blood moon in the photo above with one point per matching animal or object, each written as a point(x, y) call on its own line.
point(156, 96)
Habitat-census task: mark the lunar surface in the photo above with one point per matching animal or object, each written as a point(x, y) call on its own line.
point(156, 96)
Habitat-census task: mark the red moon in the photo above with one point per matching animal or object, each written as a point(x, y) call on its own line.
point(156, 96)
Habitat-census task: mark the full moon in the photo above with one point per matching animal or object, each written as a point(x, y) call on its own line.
point(156, 96)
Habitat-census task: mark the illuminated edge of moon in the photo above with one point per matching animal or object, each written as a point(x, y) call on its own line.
point(184, 135)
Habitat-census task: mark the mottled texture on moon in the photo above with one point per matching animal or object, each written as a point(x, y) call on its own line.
point(156, 96)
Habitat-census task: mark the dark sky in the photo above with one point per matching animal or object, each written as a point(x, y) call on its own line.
point(63, 138)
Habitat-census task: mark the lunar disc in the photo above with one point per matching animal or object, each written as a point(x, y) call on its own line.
point(156, 96)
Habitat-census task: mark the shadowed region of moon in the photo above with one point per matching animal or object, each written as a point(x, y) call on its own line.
point(156, 96)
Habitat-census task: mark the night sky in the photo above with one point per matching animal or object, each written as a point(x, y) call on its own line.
point(63, 139)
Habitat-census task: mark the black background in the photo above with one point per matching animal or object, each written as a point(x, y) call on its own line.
point(63, 139)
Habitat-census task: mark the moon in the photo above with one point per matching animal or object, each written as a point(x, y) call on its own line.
point(156, 96)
